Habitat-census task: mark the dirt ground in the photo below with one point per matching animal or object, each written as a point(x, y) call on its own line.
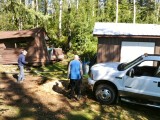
point(35, 99)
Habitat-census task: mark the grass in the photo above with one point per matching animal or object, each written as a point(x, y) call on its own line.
point(93, 110)
point(64, 109)
point(58, 70)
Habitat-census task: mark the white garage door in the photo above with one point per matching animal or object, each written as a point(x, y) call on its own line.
point(131, 50)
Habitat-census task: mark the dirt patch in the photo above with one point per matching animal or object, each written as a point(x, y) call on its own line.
point(31, 100)
point(48, 98)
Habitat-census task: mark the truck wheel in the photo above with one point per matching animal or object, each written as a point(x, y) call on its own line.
point(105, 94)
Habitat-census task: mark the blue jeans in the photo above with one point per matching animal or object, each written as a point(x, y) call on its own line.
point(21, 73)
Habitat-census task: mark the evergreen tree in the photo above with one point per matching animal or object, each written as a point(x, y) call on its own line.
point(77, 18)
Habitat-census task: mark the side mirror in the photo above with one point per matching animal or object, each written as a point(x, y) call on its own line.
point(131, 73)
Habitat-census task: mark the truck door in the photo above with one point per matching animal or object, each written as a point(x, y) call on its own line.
point(134, 84)
point(146, 80)
point(145, 85)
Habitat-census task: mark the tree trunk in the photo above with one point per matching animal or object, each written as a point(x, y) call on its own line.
point(60, 17)
point(20, 19)
point(36, 11)
point(33, 5)
point(117, 11)
point(69, 30)
point(77, 4)
point(157, 10)
point(26, 3)
point(45, 6)
point(134, 16)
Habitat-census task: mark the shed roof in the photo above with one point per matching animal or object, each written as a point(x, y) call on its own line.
point(20, 33)
point(125, 29)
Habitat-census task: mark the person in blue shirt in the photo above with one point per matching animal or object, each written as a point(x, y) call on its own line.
point(75, 74)
point(21, 63)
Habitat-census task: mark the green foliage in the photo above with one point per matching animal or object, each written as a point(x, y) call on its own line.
point(125, 12)
point(109, 12)
point(77, 23)
point(6, 23)
point(18, 12)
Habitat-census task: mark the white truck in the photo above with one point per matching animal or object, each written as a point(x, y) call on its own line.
point(137, 81)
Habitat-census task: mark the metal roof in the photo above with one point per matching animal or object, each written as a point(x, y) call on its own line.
point(126, 29)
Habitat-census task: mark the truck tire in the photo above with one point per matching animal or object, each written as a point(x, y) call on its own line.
point(105, 94)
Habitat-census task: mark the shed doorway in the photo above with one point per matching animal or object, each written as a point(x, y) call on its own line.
point(135, 49)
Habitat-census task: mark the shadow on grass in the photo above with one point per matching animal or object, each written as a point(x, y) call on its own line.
point(65, 90)
point(151, 113)
point(23, 102)
point(119, 111)
point(29, 106)
point(57, 88)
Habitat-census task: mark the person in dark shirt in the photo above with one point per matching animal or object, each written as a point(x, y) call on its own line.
point(21, 63)
point(75, 75)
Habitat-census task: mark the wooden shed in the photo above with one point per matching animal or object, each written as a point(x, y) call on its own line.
point(34, 41)
point(123, 42)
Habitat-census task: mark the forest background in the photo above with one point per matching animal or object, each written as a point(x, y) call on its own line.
point(69, 23)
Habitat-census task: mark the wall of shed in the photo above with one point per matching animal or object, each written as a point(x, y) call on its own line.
point(38, 52)
point(11, 48)
point(109, 48)
point(36, 47)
